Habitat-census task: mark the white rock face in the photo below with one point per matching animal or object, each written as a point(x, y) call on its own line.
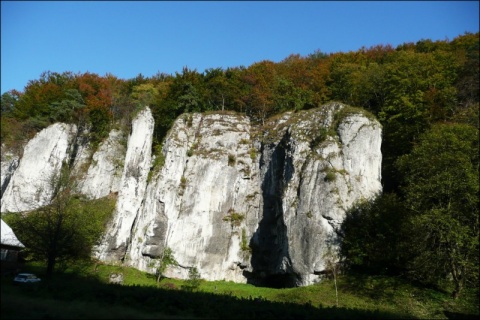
point(240, 203)
point(105, 172)
point(245, 209)
point(30, 186)
point(207, 176)
point(319, 177)
point(132, 186)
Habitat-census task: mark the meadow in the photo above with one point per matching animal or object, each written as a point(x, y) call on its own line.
point(83, 291)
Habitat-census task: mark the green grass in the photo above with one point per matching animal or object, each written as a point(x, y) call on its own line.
point(83, 292)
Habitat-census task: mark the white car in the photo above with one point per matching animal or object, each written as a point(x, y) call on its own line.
point(26, 278)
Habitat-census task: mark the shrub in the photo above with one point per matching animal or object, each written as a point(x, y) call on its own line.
point(322, 136)
point(189, 120)
point(234, 218)
point(231, 160)
point(193, 281)
point(183, 182)
point(253, 153)
point(330, 176)
point(158, 162)
point(244, 245)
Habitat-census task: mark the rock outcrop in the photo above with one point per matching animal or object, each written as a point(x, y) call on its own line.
point(203, 200)
point(132, 188)
point(32, 184)
point(105, 170)
point(238, 202)
point(314, 166)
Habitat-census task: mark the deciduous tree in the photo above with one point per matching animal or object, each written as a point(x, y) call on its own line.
point(442, 190)
point(64, 230)
point(373, 235)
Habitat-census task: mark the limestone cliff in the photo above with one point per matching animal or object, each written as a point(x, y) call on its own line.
point(238, 202)
point(32, 183)
point(105, 170)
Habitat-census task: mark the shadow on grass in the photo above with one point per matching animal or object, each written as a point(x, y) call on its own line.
point(386, 287)
point(456, 315)
point(178, 303)
point(371, 286)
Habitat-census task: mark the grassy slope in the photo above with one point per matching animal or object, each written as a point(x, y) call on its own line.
point(81, 293)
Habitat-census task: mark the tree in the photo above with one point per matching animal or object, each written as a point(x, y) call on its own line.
point(189, 100)
point(64, 230)
point(193, 281)
point(332, 264)
point(261, 76)
point(167, 259)
point(442, 191)
point(466, 49)
point(144, 94)
point(237, 89)
point(39, 94)
point(67, 109)
point(340, 79)
point(289, 97)
point(369, 87)
point(186, 92)
point(9, 100)
point(373, 236)
point(97, 94)
point(215, 84)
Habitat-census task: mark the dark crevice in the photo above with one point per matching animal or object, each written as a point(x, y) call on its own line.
point(270, 242)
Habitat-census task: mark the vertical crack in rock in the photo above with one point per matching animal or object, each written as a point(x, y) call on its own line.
point(9, 164)
point(270, 257)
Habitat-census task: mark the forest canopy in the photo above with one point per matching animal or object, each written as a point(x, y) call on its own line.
point(408, 88)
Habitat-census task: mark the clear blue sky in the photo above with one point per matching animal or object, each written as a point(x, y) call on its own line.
point(126, 38)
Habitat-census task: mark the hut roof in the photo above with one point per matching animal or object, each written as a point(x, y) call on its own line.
point(8, 237)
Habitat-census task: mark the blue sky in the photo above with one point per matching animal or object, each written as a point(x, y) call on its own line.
point(126, 38)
